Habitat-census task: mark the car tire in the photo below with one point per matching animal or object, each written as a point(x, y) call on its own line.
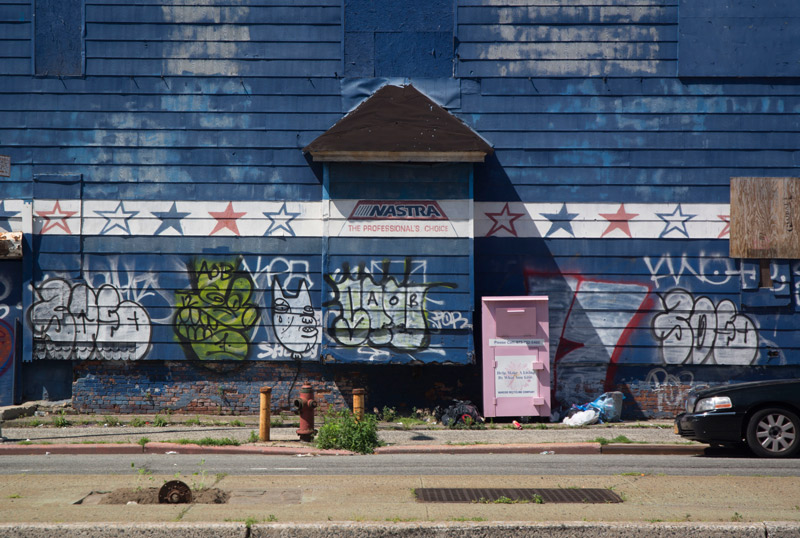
point(773, 433)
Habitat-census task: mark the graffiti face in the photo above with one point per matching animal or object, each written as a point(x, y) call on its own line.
point(695, 331)
point(73, 321)
point(294, 319)
point(380, 312)
point(215, 319)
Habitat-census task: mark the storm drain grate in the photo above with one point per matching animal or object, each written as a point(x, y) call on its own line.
point(500, 495)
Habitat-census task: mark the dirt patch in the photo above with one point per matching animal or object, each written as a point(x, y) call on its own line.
point(150, 496)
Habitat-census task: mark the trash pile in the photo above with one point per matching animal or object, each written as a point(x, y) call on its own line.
point(461, 412)
point(605, 408)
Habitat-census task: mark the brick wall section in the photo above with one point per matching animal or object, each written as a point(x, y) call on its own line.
point(185, 387)
point(233, 388)
point(643, 400)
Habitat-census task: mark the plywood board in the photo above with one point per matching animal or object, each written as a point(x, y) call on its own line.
point(765, 217)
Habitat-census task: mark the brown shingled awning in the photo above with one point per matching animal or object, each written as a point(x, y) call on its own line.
point(399, 124)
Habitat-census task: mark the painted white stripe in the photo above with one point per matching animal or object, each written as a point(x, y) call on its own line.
point(308, 219)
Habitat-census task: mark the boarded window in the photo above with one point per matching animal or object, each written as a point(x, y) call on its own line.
point(58, 42)
point(765, 218)
point(739, 38)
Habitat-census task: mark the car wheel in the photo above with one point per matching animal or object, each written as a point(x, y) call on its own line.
point(773, 433)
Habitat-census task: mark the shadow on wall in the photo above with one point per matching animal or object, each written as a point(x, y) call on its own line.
point(492, 184)
point(46, 380)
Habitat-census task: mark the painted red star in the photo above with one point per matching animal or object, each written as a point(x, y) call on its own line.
point(504, 220)
point(727, 229)
point(618, 221)
point(226, 219)
point(57, 218)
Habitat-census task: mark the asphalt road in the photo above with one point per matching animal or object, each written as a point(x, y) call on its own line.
point(405, 465)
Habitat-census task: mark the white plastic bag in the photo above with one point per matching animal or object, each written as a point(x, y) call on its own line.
point(582, 418)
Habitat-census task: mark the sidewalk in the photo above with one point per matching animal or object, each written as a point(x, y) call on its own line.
point(274, 501)
point(33, 434)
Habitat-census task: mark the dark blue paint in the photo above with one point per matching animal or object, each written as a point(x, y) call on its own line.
point(739, 39)
point(387, 39)
point(58, 39)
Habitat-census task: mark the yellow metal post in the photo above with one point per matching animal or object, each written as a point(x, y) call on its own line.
point(264, 415)
point(358, 403)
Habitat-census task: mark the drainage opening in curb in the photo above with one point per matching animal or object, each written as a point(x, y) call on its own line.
point(517, 495)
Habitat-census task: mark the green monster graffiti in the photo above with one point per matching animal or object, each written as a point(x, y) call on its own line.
point(216, 318)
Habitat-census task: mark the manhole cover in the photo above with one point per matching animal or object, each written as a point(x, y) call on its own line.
point(500, 495)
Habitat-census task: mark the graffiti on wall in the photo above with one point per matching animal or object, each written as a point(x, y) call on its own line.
point(214, 320)
point(76, 321)
point(294, 319)
point(378, 310)
point(5, 291)
point(591, 320)
point(702, 268)
point(694, 330)
point(670, 389)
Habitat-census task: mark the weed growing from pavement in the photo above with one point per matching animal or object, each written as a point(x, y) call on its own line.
point(236, 423)
point(109, 420)
point(737, 517)
point(342, 430)
point(160, 422)
point(252, 520)
point(208, 441)
point(465, 519)
point(15, 496)
point(35, 423)
point(254, 437)
point(60, 420)
point(183, 513)
point(192, 421)
point(142, 474)
point(617, 439)
point(143, 441)
point(398, 519)
point(136, 422)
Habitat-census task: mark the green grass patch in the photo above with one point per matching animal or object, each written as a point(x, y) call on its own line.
point(136, 422)
point(237, 423)
point(192, 421)
point(208, 441)
point(617, 439)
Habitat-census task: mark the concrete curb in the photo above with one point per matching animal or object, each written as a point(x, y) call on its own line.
point(543, 449)
point(412, 530)
point(654, 450)
point(156, 448)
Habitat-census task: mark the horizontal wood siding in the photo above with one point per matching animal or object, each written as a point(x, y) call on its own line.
point(15, 37)
point(160, 276)
point(404, 301)
point(592, 39)
point(189, 96)
point(583, 106)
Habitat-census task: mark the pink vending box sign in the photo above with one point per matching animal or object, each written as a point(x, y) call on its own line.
point(516, 356)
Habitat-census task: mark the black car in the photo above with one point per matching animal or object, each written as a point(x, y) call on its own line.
point(764, 414)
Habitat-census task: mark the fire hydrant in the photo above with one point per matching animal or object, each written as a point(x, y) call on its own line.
point(305, 408)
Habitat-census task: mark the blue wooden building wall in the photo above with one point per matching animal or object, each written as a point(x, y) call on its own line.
point(608, 190)
point(606, 149)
